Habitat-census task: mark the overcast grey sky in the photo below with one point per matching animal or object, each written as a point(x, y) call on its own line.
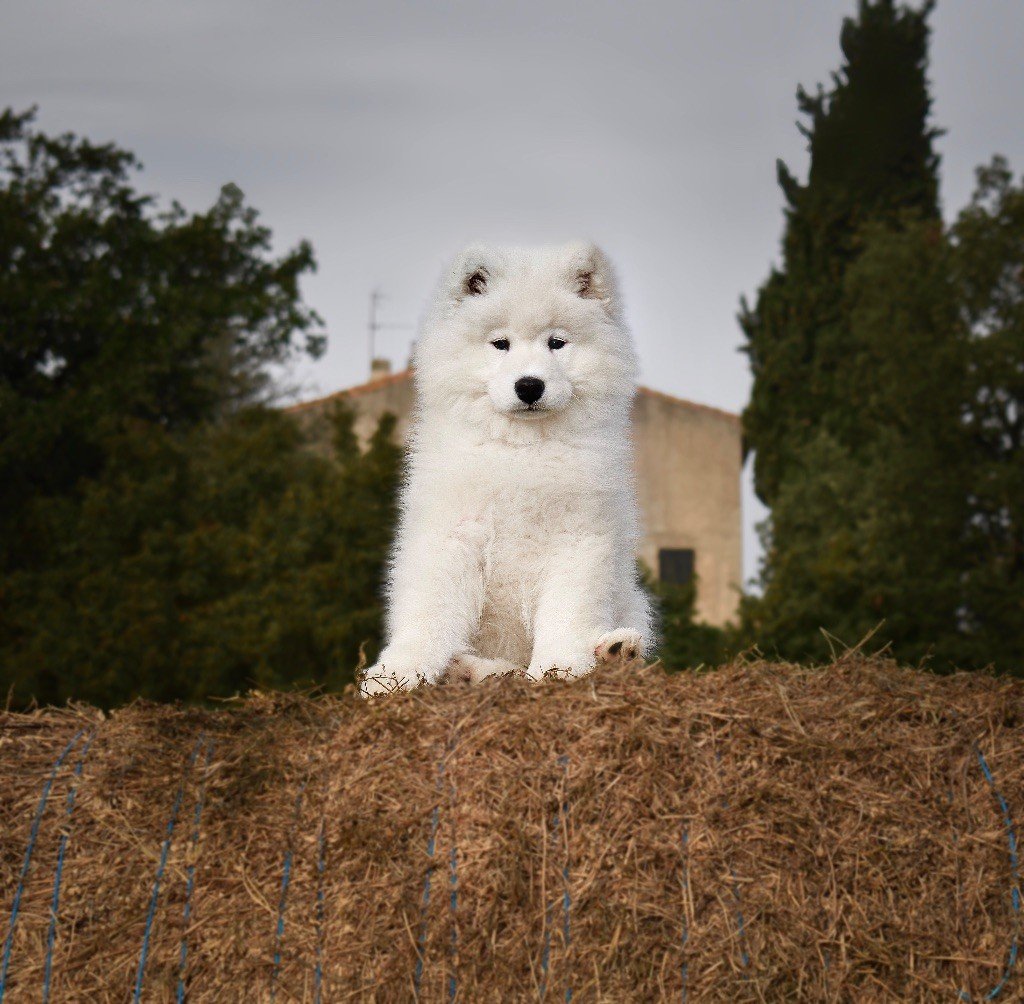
point(390, 133)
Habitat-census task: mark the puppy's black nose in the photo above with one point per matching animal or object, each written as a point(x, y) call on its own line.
point(529, 389)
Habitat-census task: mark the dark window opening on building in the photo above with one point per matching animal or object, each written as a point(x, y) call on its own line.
point(675, 565)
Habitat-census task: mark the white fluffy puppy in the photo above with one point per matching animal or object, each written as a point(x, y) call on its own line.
point(519, 522)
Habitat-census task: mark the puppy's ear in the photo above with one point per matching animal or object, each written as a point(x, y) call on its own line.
point(590, 276)
point(472, 273)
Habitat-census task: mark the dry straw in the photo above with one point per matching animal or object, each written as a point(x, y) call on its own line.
point(761, 833)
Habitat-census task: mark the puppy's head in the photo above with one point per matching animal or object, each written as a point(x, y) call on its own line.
point(527, 335)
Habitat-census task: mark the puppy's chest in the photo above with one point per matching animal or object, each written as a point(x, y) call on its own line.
point(528, 502)
point(520, 538)
point(523, 527)
point(518, 507)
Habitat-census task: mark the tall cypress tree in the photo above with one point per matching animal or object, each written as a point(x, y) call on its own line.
point(871, 159)
point(858, 365)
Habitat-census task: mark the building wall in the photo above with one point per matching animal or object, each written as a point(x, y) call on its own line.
point(688, 461)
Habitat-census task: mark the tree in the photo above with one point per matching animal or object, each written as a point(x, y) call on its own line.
point(871, 159)
point(858, 363)
point(205, 563)
point(112, 312)
point(988, 242)
point(872, 530)
point(162, 532)
point(917, 525)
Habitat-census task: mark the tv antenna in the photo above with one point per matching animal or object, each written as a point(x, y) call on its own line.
point(373, 325)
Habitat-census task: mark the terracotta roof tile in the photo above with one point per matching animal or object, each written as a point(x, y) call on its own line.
point(357, 391)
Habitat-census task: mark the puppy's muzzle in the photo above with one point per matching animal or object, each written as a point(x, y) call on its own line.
point(529, 389)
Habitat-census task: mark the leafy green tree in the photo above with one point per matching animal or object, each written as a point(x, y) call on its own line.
point(916, 525)
point(162, 532)
point(988, 242)
point(206, 563)
point(113, 311)
point(859, 366)
point(870, 529)
point(871, 158)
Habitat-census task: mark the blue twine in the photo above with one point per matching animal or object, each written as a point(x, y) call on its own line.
point(684, 848)
point(286, 877)
point(164, 851)
point(453, 882)
point(566, 897)
point(190, 884)
point(27, 862)
point(454, 904)
point(740, 925)
point(320, 861)
point(561, 818)
point(421, 941)
point(51, 934)
point(1011, 839)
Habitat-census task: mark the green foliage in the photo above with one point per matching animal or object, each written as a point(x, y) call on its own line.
point(161, 532)
point(988, 256)
point(114, 312)
point(888, 394)
point(204, 564)
point(871, 159)
point(683, 641)
point(868, 526)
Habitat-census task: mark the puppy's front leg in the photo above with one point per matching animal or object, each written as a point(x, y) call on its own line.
point(436, 588)
point(575, 609)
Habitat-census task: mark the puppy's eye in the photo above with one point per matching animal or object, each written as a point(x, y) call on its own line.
point(554, 342)
point(501, 344)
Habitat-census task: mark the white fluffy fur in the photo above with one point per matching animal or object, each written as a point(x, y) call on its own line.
point(518, 530)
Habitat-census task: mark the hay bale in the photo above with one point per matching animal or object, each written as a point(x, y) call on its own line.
point(764, 832)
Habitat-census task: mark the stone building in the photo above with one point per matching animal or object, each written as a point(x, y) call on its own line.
point(688, 461)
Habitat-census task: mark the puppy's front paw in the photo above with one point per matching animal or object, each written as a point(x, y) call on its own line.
point(566, 667)
point(388, 677)
point(468, 668)
point(619, 647)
